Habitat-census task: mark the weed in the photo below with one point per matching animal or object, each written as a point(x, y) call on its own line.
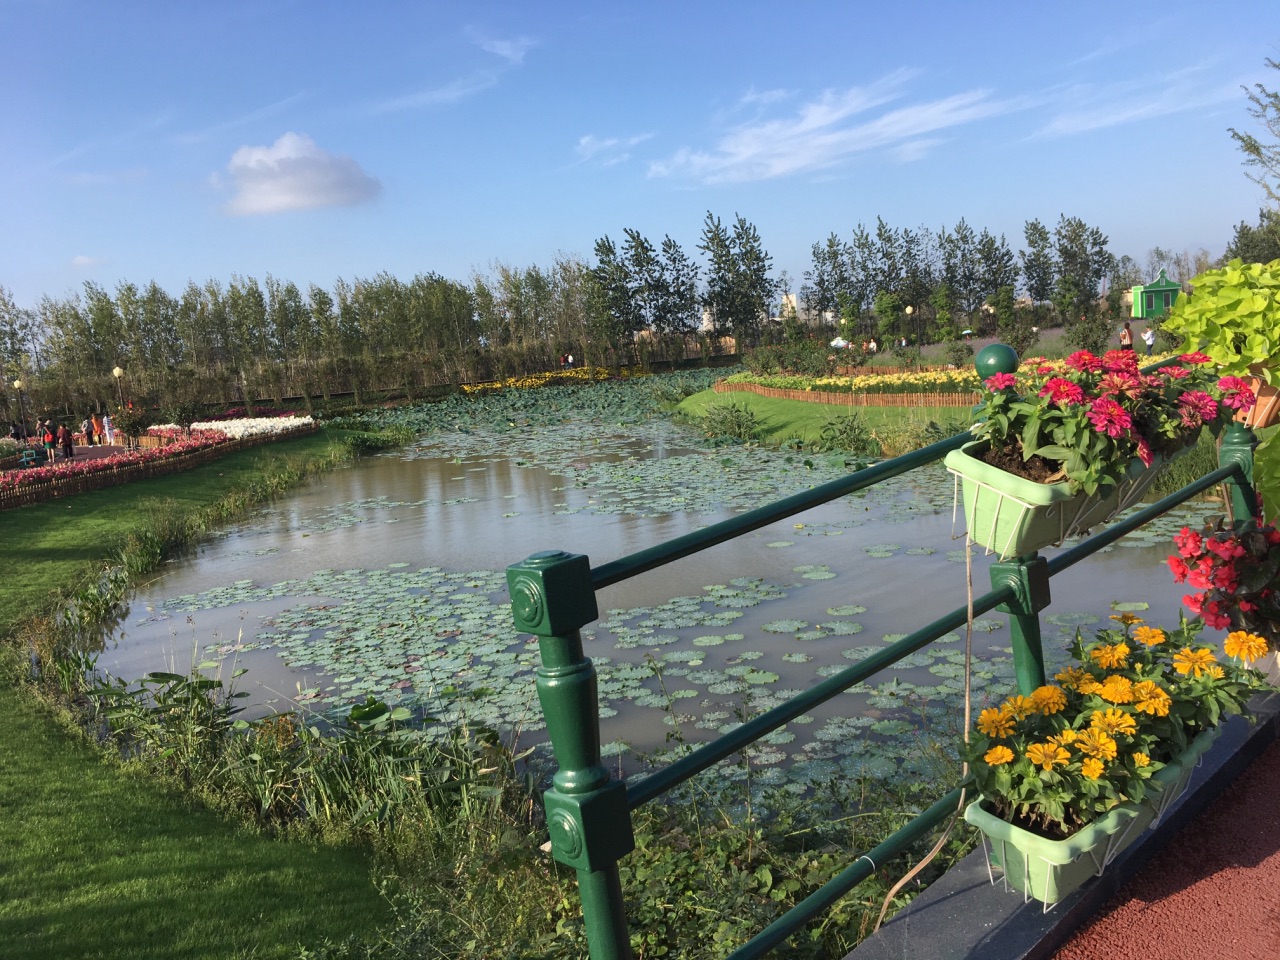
point(730, 423)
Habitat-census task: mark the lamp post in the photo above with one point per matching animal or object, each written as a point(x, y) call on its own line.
point(118, 373)
point(22, 414)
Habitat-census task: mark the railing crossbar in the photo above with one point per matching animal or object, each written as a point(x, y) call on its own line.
point(730, 743)
point(615, 571)
point(847, 879)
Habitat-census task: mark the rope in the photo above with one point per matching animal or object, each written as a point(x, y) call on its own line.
point(964, 766)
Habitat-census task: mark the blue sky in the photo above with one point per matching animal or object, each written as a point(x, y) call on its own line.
point(312, 140)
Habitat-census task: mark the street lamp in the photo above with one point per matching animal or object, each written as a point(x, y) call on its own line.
point(22, 415)
point(118, 373)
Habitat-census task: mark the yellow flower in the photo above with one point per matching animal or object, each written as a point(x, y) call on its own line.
point(1149, 698)
point(1020, 706)
point(1048, 755)
point(1247, 646)
point(1110, 656)
point(1149, 636)
point(1091, 768)
point(1113, 722)
point(1072, 677)
point(1089, 685)
point(1194, 662)
point(997, 755)
point(995, 723)
point(1096, 743)
point(1048, 699)
point(1116, 689)
point(1065, 738)
point(1215, 672)
point(1140, 759)
point(1127, 618)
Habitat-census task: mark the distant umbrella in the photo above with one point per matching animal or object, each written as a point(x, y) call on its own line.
point(965, 333)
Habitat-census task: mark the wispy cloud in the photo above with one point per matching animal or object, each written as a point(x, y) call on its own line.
point(135, 131)
point(608, 151)
point(84, 263)
point(914, 150)
point(451, 92)
point(295, 174)
point(830, 130)
point(253, 116)
point(763, 97)
point(1093, 106)
point(87, 178)
point(512, 51)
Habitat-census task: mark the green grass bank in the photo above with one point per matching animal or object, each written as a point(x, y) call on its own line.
point(99, 862)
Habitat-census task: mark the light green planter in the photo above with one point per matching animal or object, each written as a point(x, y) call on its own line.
point(1049, 870)
point(1012, 516)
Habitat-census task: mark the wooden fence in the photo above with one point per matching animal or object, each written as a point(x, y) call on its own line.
point(848, 399)
point(57, 487)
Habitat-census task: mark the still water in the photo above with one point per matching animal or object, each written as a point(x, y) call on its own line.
point(385, 579)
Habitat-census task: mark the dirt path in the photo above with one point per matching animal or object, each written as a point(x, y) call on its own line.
point(1213, 892)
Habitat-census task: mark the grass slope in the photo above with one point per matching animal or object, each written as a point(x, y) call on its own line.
point(97, 863)
point(782, 419)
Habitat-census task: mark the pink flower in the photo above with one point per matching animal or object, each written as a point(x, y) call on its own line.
point(1084, 361)
point(1196, 357)
point(1144, 452)
point(1118, 361)
point(1062, 391)
point(1175, 373)
point(1044, 369)
point(1120, 381)
point(1000, 381)
point(1109, 417)
point(1179, 568)
point(1197, 407)
point(1229, 549)
point(1236, 393)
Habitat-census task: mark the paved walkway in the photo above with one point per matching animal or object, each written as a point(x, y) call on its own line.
point(1212, 892)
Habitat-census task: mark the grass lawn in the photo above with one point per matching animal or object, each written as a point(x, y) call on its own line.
point(95, 862)
point(781, 419)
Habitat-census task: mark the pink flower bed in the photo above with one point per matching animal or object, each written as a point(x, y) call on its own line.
point(13, 479)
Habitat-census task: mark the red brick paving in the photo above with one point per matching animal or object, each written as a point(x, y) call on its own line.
point(1212, 892)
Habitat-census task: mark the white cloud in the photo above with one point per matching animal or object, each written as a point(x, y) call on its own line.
point(607, 151)
point(915, 150)
point(830, 130)
point(512, 51)
point(450, 92)
point(1087, 107)
point(295, 174)
point(84, 263)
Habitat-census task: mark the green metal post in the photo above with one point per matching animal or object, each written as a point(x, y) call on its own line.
point(1236, 447)
point(1029, 577)
point(587, 813)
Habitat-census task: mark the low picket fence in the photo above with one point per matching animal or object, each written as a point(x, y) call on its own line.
point(935, 399)
point(70, 486)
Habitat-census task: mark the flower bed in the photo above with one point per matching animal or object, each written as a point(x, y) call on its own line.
point(853, 399)
point(555, 378)
point(69, 477)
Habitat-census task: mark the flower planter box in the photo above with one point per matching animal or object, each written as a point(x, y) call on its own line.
point(1012, 516)
point(1266, 411)
point(1049, 870)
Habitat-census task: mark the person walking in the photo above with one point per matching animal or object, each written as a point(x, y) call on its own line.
point(1149, 338)
point(86, 427)
point(49, 440)
point(108, 430)
point(96, 420)
point(66, 440)
point(1126, 337)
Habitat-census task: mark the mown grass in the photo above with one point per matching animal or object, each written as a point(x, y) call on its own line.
point(780, 420)
point(95, 862)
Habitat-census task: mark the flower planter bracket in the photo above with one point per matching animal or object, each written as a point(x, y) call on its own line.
point(1029, 577)
point(1238, 443)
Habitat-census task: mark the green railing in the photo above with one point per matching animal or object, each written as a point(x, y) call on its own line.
point(553, 595)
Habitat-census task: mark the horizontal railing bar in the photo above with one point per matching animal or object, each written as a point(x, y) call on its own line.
point(1115, 531)
point(651, 558)
point(712, 753)
point(847, 879)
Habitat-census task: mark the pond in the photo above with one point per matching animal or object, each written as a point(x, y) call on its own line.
point(385, 579)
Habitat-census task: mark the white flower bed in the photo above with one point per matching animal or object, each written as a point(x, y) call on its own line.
point(246, 426)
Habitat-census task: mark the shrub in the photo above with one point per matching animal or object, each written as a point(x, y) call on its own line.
point(730, 422)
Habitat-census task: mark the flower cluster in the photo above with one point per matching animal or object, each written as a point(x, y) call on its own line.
point(64, 469)
point(1088, 417)
point(1056, 760)
point(1236, 573)
point(555, 378)
point(235, 429)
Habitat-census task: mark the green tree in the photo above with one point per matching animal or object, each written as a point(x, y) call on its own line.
point(1260, 155)
point(1260, 244)
point(1082, 261)
point(739, 290)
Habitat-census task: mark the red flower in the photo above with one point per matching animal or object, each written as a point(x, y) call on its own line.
point(1084, 361)
point(1144, 452)
point(1109, 417)
point(1119, 361)
point(1062, 391)
point(1195, 357)
point(1000, 381)
point(1189, 542)
point(1179, 568)
point(1236, 393)
point(1175, 373)
point(1121, 381)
